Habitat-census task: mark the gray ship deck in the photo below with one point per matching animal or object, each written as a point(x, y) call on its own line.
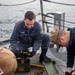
point(55, 56)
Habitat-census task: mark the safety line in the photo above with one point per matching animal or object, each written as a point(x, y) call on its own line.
point(59, 3)
point(16, 4)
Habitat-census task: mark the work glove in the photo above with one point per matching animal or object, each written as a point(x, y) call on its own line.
point(67, 73)
point(18, 53)
point(30, 54)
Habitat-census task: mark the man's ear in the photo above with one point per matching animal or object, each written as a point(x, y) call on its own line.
point(61, 38)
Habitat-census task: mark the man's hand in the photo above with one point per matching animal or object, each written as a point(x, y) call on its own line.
point(17, 53)
point(70, 73)
point(73, 73)
point(67, 73)
point(20, 53)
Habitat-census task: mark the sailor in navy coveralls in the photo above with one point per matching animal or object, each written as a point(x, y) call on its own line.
point(28, 33)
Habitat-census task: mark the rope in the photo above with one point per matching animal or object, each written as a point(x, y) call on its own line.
point(60, 3)
point(16, 4)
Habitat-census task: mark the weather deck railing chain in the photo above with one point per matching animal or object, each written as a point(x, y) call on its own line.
point(17, 4)
point(60, 3)
point(59, 19)
point(46, 21)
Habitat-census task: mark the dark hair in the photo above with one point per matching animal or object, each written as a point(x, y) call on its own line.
point(29, 15)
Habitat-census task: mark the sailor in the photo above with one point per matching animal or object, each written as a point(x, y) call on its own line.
point(28, 33)
point(66, 38)
point(8, 63)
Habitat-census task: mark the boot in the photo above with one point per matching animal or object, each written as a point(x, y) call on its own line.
point(42, 55)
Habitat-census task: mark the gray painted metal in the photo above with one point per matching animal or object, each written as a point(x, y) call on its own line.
point(50, 67)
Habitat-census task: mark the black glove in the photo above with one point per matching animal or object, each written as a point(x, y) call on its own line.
point(30, 54)
point(67, 73)
point(18, 53)
point(21, 54)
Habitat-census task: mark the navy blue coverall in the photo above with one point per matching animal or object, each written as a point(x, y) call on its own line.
point(71, 48)
point(23, 38)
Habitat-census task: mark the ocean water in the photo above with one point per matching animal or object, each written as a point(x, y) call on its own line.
point(9, 15)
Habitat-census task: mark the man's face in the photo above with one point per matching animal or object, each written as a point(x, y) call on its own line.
point(29, 23)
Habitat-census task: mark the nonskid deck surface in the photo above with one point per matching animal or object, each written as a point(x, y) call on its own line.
point(62, 55)
point(51, 51)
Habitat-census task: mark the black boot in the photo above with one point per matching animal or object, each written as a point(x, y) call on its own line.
point(42, 55)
